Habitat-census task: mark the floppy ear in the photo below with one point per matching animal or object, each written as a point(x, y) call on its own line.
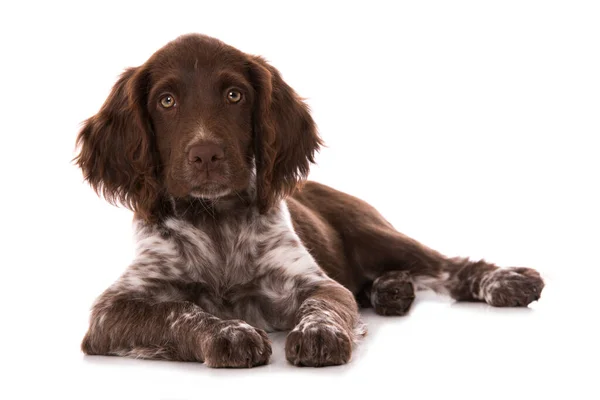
point(116, 149)
point(285, 135)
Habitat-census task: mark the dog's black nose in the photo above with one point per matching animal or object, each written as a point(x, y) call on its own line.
point(206, 156)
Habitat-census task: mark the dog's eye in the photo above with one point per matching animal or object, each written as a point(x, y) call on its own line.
point(234, 96)
point(167, 101)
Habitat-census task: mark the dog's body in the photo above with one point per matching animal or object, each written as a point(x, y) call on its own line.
point(208, 146)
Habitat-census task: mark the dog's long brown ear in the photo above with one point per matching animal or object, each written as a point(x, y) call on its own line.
point(116, 148)
point(285, 135)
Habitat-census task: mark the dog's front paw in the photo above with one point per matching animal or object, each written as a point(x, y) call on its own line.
point(318, 344)
point(512, 287)
point(235, 344)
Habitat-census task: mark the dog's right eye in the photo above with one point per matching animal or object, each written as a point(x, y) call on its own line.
point(167, 101)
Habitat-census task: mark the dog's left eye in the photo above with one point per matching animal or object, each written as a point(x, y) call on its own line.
point(234, 96)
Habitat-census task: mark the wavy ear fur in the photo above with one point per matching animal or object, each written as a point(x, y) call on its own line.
point(116, 153)
point(285, 135)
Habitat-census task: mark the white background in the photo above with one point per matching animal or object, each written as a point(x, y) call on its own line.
point(471, 125)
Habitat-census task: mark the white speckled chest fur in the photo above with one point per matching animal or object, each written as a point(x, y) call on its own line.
point(245, 266)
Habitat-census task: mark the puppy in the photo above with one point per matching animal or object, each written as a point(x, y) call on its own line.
point(209, 147)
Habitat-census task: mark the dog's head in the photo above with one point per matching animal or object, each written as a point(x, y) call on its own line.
point(194, 121)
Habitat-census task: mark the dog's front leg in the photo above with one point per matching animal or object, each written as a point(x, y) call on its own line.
point(127, 324)
point(327, 325)
point(323, 313)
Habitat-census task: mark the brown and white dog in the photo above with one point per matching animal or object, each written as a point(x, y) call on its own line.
point(208, 146)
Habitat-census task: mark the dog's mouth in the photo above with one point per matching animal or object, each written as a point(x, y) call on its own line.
point(210, 190)
point(209, 185)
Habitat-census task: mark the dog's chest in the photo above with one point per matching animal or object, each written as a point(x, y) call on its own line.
point(222, 255)
point(237, 249)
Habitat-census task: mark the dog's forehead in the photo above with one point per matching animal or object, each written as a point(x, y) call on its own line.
point(198, 53)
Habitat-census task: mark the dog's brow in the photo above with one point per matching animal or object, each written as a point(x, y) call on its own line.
point(232, 78)
point(165, 84)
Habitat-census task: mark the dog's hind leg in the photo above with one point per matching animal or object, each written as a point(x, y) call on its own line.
point(392, 293)
point(373, 249)
point(397, 264)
